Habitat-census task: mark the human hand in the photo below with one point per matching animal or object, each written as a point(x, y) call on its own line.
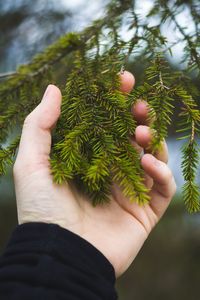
point(118, 229)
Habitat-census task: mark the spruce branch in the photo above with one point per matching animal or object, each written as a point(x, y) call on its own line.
point(190, 163)
point(28, 73)
point(65, 45)
point(192, 45)
point(159, 93)
point(161, 90)
point(91, 146)
point(38, 68)
point(90, 149)
point(189, 128)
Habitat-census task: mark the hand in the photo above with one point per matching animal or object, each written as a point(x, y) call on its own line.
point(117, 229)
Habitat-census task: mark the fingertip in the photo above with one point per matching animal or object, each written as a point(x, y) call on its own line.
point(52, 91)
point(56, 90)
point(143, 135)
point(127, 82)
point(50, 107)
point(142, 129)
point(140, 111)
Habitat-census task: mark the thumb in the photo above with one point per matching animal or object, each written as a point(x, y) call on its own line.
point(35, 143)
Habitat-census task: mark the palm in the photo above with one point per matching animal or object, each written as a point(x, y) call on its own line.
point(118, 229)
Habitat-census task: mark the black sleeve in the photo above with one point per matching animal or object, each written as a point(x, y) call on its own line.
point(44, 261)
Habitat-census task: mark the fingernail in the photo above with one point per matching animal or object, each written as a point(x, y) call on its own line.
point(46, 92)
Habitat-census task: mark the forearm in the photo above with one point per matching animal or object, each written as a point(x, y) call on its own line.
point(45, 261)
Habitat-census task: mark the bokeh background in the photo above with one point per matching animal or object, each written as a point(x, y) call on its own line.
point(168, 266)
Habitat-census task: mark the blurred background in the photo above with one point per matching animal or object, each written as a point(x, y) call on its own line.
point(168, 265)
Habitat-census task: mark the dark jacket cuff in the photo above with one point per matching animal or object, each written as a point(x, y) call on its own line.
point(58, 261)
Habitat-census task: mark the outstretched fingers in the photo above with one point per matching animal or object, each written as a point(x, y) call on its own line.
point(140, 111)
point(159, 177)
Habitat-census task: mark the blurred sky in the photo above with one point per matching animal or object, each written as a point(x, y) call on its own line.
point(29, 36)
point(95, 9)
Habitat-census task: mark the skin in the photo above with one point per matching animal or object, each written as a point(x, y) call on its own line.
point(117, 229)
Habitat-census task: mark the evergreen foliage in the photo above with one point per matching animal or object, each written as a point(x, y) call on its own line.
point(91, 146)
